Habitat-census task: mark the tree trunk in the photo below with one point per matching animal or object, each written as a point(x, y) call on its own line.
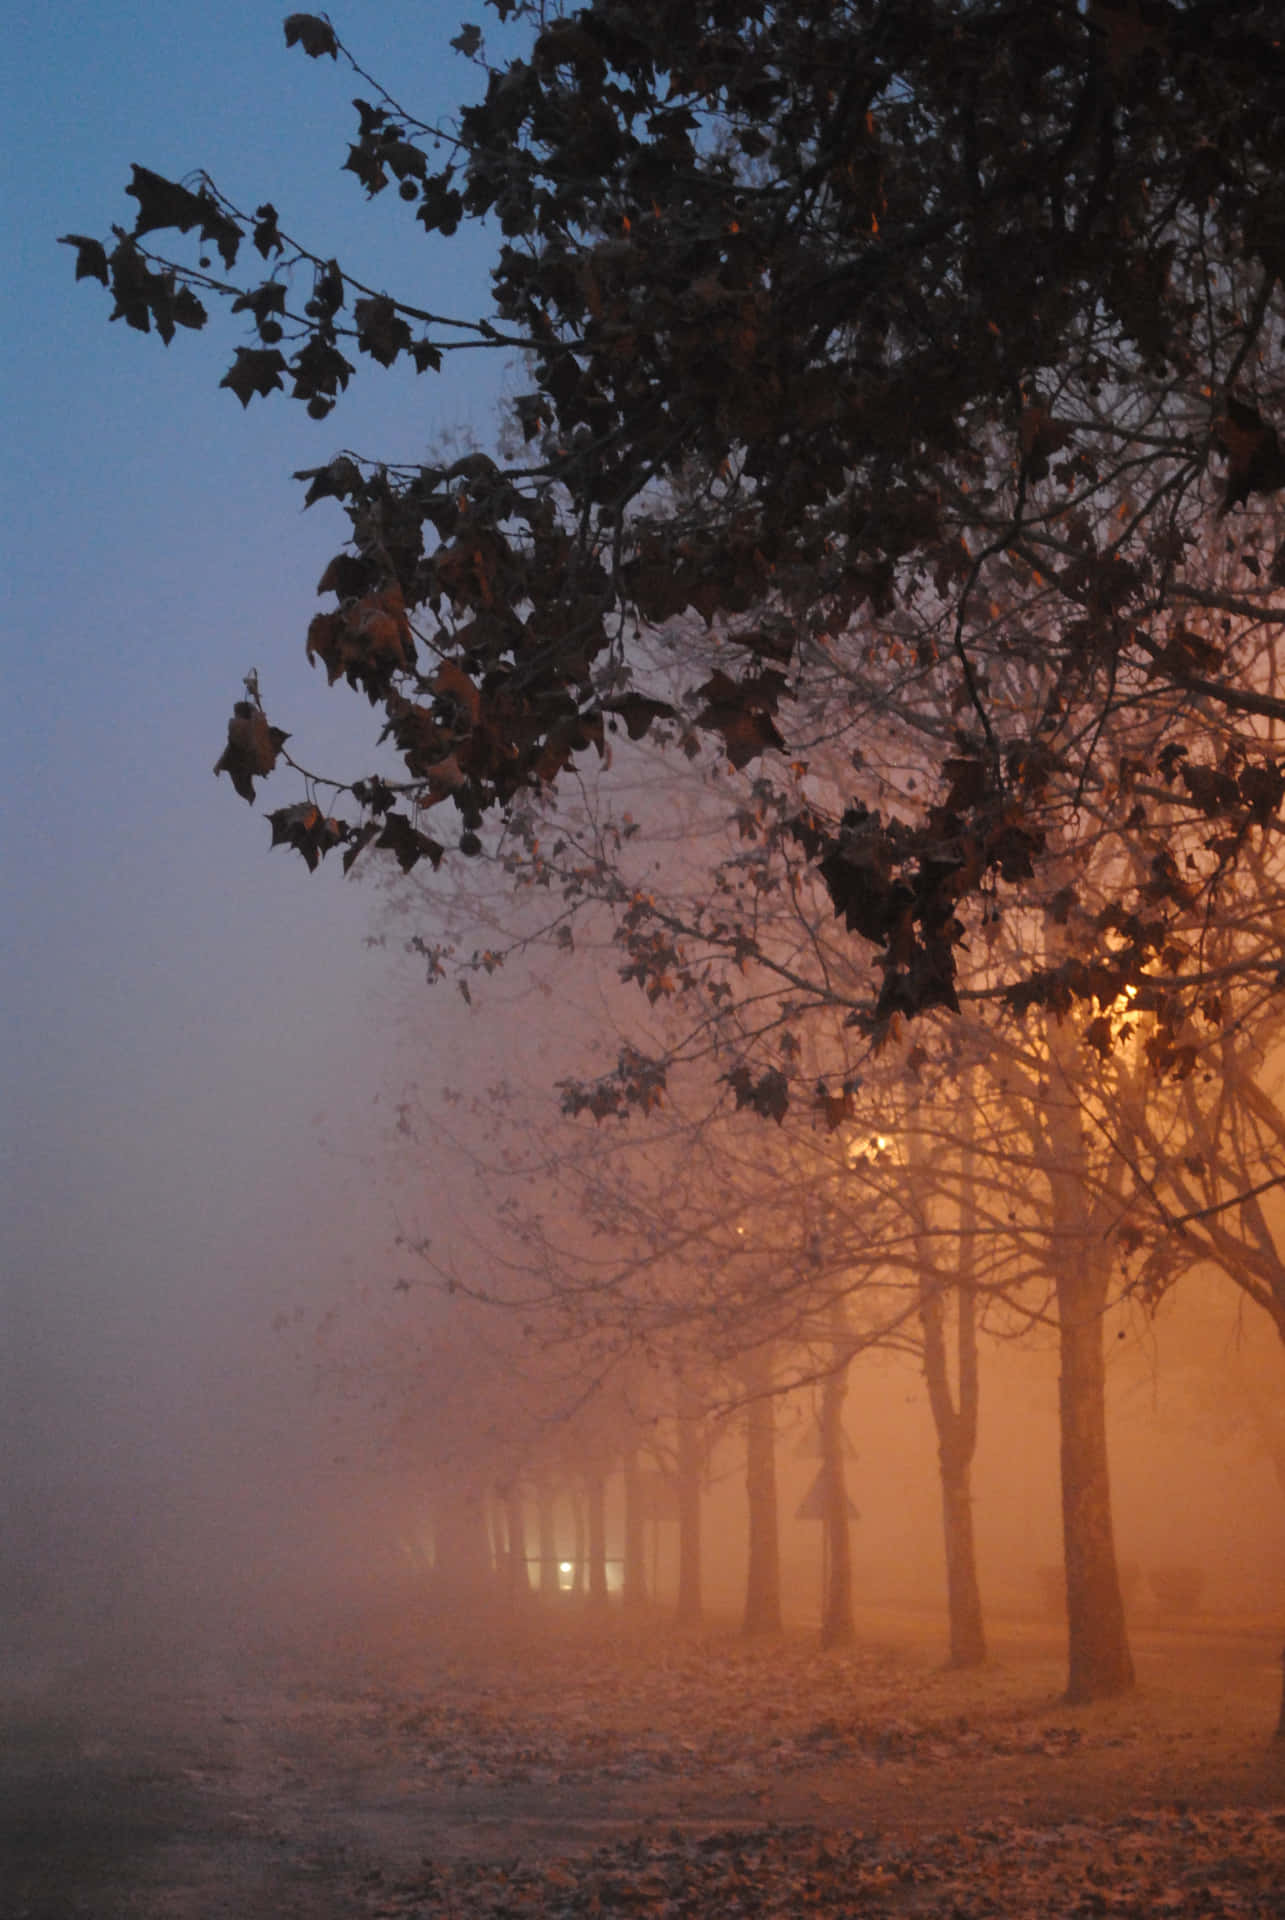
point(548, 1539)
point(955, 1412)
point(967, 1628)
point(497, 1533)
point(838, 1629)
point(1100, 1662)
point(635, 1573)
point(517, 1580)
point(691, 1466)
point(955, 1445)
point(596, 1495)
point(462, 1542)
point(763, 1578)
point(578, 1543)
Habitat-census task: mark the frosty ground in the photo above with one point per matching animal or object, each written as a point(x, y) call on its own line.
point(401, 1765)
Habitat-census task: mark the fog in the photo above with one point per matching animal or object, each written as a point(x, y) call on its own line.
point(234, 1405)
point(191, 1032)
point(202, 1058)
point(186, 1464)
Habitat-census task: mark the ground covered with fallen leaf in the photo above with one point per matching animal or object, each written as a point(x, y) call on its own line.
point(404, 1766)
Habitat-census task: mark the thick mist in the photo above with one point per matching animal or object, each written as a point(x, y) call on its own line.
point(296, 1608)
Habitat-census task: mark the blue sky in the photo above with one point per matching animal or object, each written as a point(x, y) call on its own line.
point(194, 1031)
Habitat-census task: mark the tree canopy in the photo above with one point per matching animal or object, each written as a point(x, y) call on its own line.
point(924, 358)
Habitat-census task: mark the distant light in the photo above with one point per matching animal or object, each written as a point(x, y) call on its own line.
point(565, 1566)
point(858, 1151)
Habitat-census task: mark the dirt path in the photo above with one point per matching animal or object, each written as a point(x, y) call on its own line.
point(406, 1772)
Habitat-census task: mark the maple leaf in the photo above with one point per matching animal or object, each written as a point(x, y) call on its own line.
point(142, 296)
point(1255, 462)
point(741, 711)
point(638, 1082)
point(638, 711)
point(858, 877)
point(349, 575)
point(305, 828)
point(265, 302)
point(1039, 435)
point(1164, 882)
point(970, 781)
point(1186, 652)
point(266, 238)
point(1212, 790)
point(407, 844)
point(255, 370)
point(451, 683)
point(359, 840)
point(773, 638)
point(131, 287)
point(91, 256)
point(320, 372)
point(313, 32)
point(1100, 1035)
point(769, 1095)
point(166, 203)
point(252, 748)
point(381, 331)
point(924, 978)
point(835, 1108)
point(368, 168)
point(328, 290)
point(1262, 789)
point(185, 310)
point(340, 479)
point(1013, 848)
point(1169, 760)
point(441, 207)
point(367, 640)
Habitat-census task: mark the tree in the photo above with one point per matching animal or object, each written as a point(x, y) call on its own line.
point(955, 1412)
point(844, 325)
point(959, 476)
point(1211, 1164)
point(1101, 1663)
point(763, 1575)
point(690, 1458)
point(838, 1628)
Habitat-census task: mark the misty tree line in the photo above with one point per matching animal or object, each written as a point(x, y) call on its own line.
point(675, 1277)
point(861, 651)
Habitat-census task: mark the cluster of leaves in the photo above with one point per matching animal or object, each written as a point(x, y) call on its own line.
point(1179, 1865)
point(841, 325)
point(636, 1086)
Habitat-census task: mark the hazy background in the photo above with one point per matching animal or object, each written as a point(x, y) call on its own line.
point(194, 1032)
